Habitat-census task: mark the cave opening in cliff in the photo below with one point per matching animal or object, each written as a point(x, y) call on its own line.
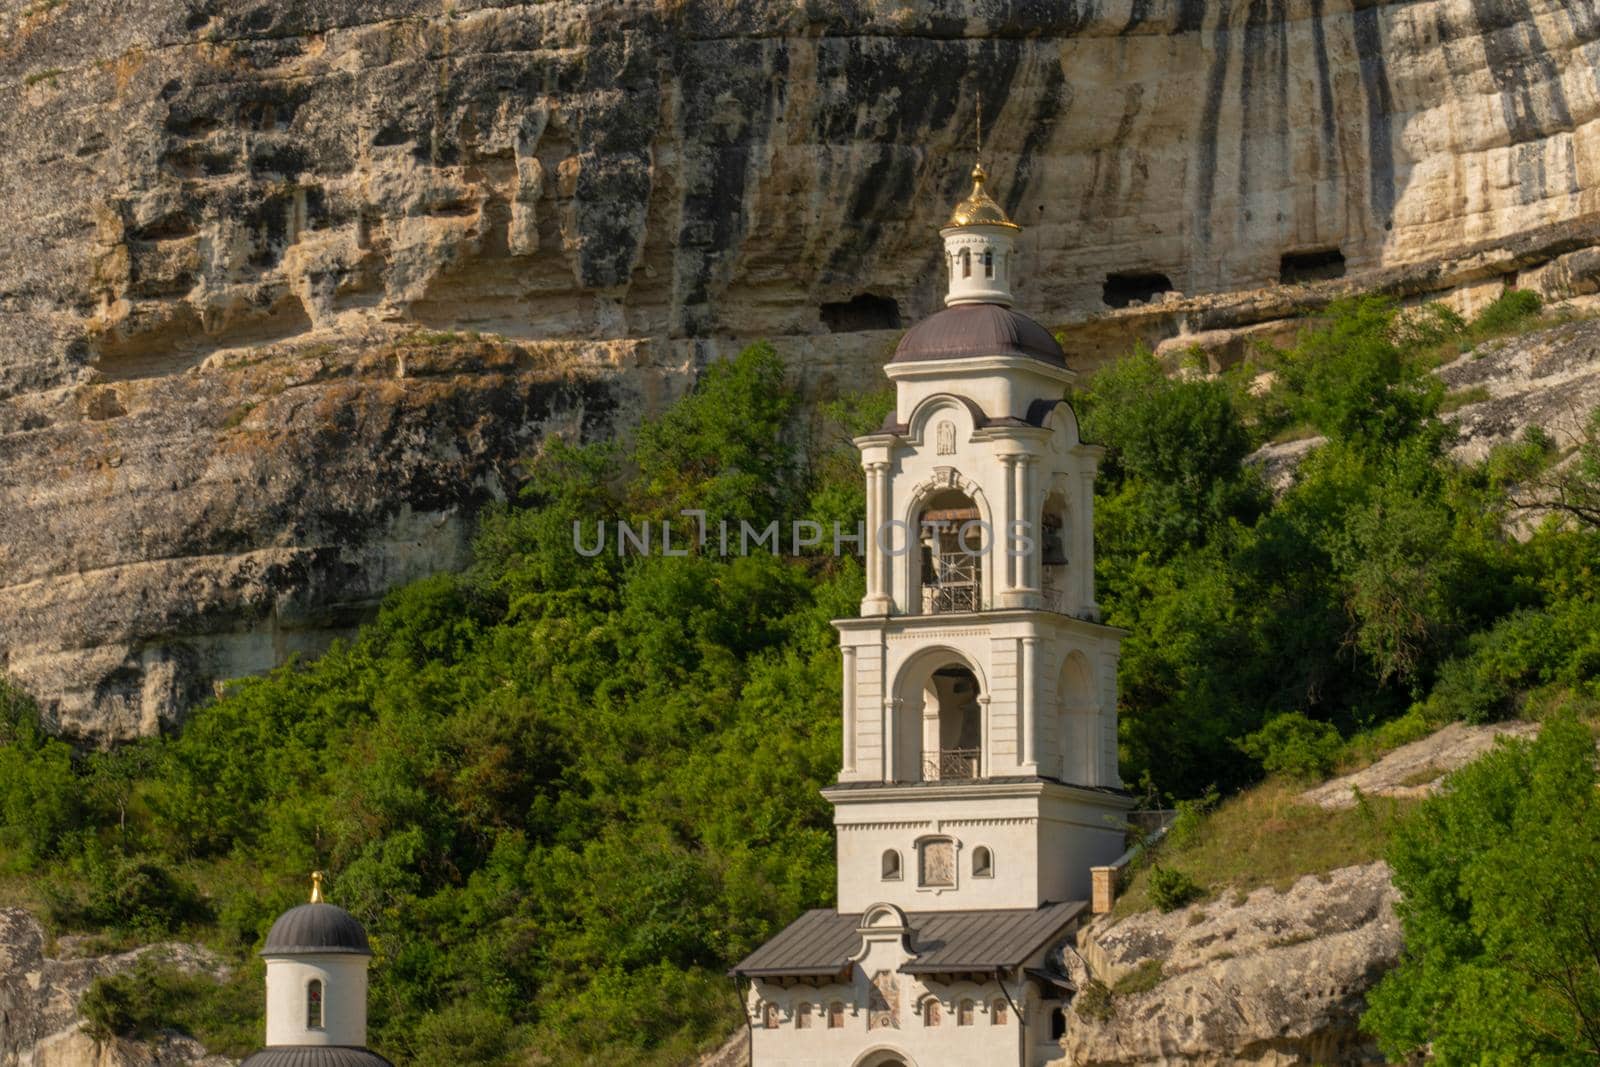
point(866, 311)
point(1134, 287)
point(1317, 265)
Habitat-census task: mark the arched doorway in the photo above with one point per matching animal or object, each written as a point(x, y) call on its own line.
point(1055, 535)
point(952, 717)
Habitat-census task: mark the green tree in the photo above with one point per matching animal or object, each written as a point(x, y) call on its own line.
point(1498, 877)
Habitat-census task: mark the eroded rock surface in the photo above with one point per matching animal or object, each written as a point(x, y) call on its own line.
point(39, 995)
point(1274, 979)
point(623, 191)
point(1549, 379)
point(1417, 769)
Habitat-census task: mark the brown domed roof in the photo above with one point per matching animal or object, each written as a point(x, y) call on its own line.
point(968, 330)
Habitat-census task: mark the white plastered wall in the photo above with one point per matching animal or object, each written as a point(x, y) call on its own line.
point(344, 999)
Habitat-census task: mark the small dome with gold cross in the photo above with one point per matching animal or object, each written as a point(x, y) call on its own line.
point(979, 208)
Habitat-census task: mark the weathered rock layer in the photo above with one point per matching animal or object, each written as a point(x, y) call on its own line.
point(220, 217)
point(1272, 979)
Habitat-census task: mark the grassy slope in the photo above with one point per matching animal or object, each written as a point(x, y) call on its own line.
point(1267, 836)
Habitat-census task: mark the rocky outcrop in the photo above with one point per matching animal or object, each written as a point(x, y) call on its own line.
point(1546, 378)
point(207, 202)
point(39, 995)
point(1268, 979)
point(1549, 379)
point(159, 533)
point(1417, 769)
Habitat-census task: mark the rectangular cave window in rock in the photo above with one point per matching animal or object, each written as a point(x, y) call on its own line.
point(1125, 289)
point(1317, 265)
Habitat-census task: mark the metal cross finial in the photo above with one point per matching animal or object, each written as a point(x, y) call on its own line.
point(316, 887)
point(979, 158)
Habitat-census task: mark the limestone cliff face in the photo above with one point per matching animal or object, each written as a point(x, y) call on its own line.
point(224, 223)
point(40, 992)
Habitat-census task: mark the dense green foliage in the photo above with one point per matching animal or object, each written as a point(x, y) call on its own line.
point(1380, 578)
point(1499, 875)
point(565, 792)
point(1294, 746)
point(157, 995)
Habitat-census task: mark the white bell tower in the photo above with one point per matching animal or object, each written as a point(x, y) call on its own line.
point(980, 718)
point(979, 781)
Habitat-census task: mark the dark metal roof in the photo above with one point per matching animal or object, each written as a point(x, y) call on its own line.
point(315, 1056)
point(967, 330)
point(315, 929)
point(821, 942)
point(983, 940)
point(1057, 981)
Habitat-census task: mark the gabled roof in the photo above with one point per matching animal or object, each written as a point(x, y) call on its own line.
point(820, 943)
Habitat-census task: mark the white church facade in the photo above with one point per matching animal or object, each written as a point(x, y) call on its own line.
point(979, 781)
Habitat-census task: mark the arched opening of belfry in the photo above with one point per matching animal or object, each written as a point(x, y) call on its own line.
point(952, 725)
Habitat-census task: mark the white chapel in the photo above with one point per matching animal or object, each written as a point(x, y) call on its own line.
point(979, 783)
point(317, 957)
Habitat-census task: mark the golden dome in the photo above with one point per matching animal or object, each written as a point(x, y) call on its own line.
point(979, 208)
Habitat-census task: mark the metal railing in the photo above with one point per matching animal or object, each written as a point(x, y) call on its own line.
point(954, 586)
point(951, 763)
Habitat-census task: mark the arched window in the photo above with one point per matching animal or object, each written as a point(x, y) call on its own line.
point(1058, 1024)
point(891, 865)
point(802, 1017)
point(982, 863)
point(314, 1013)
point(966, 263)
point(997, 1013)
point(988, 263)
point(769, 1016)
point(930, 1012)
point(835, 1016)
point(964, 1013)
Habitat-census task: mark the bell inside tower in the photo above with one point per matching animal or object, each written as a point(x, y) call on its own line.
point(952, 542)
